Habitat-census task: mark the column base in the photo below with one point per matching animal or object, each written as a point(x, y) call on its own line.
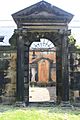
point(66, 104)
point(20, 104)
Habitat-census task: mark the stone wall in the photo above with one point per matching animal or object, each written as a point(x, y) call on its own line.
point(8, 77)
point(9, 95)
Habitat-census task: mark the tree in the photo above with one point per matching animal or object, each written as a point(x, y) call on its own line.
point(71, 40)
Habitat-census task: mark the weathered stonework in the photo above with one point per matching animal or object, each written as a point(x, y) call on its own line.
point(10, 87)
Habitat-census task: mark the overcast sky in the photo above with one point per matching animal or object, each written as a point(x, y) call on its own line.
point(8, 7)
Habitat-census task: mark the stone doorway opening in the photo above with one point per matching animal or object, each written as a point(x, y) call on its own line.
point(42, 71)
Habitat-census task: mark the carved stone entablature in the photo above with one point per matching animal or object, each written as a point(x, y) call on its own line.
point(30, 37)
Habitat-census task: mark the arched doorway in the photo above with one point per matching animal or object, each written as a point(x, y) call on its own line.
point(42, 71)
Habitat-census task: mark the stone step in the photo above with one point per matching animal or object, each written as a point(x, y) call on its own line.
point(42, 104)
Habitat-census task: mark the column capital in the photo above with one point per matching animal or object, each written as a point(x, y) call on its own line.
point(65, 32)
point(20, 31)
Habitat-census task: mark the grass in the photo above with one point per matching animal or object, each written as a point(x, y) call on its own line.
point(38, 113)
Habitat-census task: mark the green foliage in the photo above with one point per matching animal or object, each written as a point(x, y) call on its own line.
point(71, 40)
point(78, 46)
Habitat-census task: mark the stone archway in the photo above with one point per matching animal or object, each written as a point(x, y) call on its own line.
point(35, 22)
point(23, 44)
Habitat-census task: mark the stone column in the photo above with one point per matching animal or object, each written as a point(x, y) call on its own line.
point(59, 74)
point(26, 70)
point(20, 69)
point(65, 73)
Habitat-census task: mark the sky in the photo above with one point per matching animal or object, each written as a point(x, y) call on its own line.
point(8, 7)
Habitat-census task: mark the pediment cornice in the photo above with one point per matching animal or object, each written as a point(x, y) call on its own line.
point(42, 11)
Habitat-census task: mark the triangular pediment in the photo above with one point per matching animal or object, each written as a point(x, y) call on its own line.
point(42, 11)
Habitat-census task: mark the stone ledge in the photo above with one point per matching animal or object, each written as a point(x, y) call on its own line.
point(20, 104)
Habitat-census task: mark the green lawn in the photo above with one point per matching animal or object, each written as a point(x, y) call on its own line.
point(38, 113)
